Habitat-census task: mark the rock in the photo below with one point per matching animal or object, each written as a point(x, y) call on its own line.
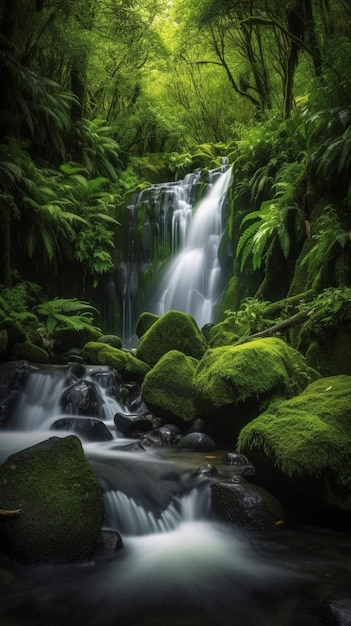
point(145, 321)
point(81, 399)
point(335, 610)
point(111, 340)
point(162, 436)
point(167, 389)
point(89, 428)
point(12, 379)
point(129, 424)
point(196, 441)
point(232, 382)
point(67, 338)
point(244, 504)
point(307, 440)
point(29, 352)
point(109, 541)
point(61, 503)
point(125, 363)
point(172, 331)
point(206, 470)
point(240, 462)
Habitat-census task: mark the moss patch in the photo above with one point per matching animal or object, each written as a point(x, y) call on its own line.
point(258, 369)
point(125, 363)
point(60, 500)
point(145, 321)
point(172, 331)
point(167, 389)
point(309, 435)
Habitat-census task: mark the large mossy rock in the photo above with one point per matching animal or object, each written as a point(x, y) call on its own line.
point(30, 352)
point(307, 440)
point(167, 389)
point(145, 321)
point(65, 339)
point(58, 499)
point(129, 367)
point(172, 331)
point(232, 383)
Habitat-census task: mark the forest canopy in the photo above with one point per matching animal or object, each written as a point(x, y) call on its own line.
point(102, 97)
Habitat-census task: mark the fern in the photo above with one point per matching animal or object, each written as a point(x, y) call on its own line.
point(66, 313)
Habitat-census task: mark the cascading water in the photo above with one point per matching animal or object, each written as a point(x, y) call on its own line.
point(178, 566)
point(192, 282)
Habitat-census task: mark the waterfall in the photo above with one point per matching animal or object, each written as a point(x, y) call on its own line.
point(192, 282)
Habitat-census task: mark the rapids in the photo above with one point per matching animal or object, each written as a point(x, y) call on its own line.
point(178, 567)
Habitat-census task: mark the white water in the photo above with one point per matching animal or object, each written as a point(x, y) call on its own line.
point(192, 282)
point(176, 564)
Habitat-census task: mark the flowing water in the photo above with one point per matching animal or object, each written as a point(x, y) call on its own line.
point(192, 282)
point(178, 567)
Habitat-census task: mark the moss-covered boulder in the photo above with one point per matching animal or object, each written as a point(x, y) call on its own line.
point(232, 383)
point(307, 440)
point(167, 389)
point(145, 321)
point(172, 331)
point(66, 338)
point(129, 367)
point(224, 333)
point(29, 352)
point(51, 502)
point(111, 340)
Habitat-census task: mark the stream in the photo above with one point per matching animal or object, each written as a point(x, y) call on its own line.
point(177, 566)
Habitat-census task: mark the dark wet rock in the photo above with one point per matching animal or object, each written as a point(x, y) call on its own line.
point(129, 424)
point(30, 352)
point(240, 462)
point(196, 441)
point(244, 504)
point(109, 541)
point(162, 436)
point(206, 470)
point(81, 399)
point(59, 499)
point(90, 428)
point(335, 610)
point(199, 426)
point(12, 379)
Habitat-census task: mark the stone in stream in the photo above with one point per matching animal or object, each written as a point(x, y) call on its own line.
point(90, 428)
point(60, 501)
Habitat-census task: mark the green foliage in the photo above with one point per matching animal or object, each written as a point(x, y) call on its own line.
point(100, 150)
point(250, 317)
point(66, 313)
point(16, 303)
point(329, 241)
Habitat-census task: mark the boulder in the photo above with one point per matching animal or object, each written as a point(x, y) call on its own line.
point(30, 352)
point(244, 504)
point(196, 441)
point(58, 500)
point(145, 321)
point(172, 331)
point(232, 383)
point(111, 340)
point(304, 443)
point(129, 367)
point(81, 399)
point(89, 428)
point(66, 338)
point(167, 389)
point(129, 424)
point(13, 376)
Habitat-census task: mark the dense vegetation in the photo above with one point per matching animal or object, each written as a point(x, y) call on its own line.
point(102, 97)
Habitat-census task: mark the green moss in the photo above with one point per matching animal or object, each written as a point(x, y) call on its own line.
point(224, 333)
point(30, 352)
point(309, 434)
point(172, 331)
point(66, 338)
point(167, 389)
point(111, 340)
point(60, 499)
point(145, 321)
point(126, 363)
point(258, 369)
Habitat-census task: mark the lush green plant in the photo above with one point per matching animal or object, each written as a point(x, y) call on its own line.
point(17, 302)
point(250, 317)
point(67, 313)
point(331, 243)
